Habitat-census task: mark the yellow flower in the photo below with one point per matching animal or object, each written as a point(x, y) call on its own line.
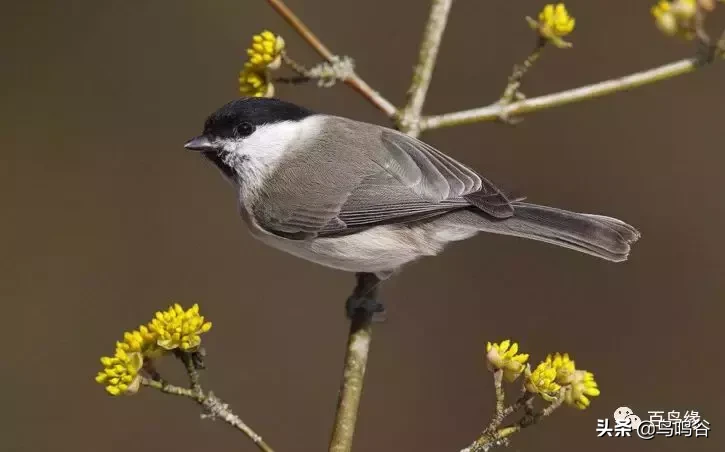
point(265, 51)
point(676, 17)
point(255, 84)
point(505, 356)
point(176, 328)
point(542, 381)
point(141, 341)
point(120, 374)
point(264, 54)
point(582, 387)
point(564, 367)
point(553, 24)
point(556, 19)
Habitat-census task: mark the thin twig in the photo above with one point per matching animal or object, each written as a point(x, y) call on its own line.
point(354, 80)
point(496, 111)
point(500, 399)
point(700, 32)
point(213, 406)
point(170, 389)
point(356, 357)
point(517, 75)
point(191, 370)
point(720, 49)
point(423, 73)
point(523, 401)
point(497, 437)
point(512, 92)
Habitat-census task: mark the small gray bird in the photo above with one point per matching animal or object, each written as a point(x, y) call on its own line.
point(367, 199)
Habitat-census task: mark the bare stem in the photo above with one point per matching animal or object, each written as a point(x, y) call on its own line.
point(500, 399)
point(494, 436)
point(214, 407)
point(720, 49)
point(356, 357)
point(191, 370)
point(354, 80)
point(423, 73)
point(522, 402)
point(496, 110)
point(514, 83)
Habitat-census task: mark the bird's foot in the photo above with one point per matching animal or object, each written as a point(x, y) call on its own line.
point(366, 305)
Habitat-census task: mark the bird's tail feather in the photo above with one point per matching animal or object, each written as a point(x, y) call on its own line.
point(597, 235)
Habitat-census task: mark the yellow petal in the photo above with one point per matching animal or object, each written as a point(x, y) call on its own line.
point(113, 390)
point(504, 345)
point(546, 13)
point(583, 402)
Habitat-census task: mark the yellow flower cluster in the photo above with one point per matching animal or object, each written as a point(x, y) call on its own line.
point(581, 388)
point(255, 84)
point(556, 373)
point(565, 367)
point(506, 356)
point(676, 17)
point(264, 54)
point(120, 373)
point(542, 381)
point(176, 328)
point(559, 371)
point(170, 329)
point(554, 22)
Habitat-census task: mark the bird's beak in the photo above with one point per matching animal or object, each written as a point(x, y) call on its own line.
point(200, 143)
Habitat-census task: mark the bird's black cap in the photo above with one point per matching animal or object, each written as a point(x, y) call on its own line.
point(240, 117)
point(256, 111)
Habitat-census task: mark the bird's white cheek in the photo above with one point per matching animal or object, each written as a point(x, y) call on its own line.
point(233, 147)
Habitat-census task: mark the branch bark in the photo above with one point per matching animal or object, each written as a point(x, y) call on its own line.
point(430, 44)
point(356, 358)
point(497, 110)
point(214, 407)
point(354, 81)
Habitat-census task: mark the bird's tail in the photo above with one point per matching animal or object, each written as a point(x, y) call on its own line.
point(597, 235)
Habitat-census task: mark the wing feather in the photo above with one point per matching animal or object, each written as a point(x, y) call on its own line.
point(386, 177)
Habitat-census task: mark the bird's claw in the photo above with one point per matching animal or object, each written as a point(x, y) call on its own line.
point(366, 305)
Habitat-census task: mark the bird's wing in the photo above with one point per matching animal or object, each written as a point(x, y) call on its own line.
point(357, 175)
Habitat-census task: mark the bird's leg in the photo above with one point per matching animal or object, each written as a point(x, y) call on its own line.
point(365, 297)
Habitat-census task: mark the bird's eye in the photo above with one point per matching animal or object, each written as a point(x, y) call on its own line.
point(244, 129)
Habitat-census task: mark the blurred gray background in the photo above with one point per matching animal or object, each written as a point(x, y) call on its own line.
point(107, 219)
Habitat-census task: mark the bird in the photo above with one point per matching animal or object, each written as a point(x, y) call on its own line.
point(368, 199)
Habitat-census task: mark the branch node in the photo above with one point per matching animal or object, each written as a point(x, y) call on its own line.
point(430, 44)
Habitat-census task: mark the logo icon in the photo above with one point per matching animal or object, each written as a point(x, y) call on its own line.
point(625, 417)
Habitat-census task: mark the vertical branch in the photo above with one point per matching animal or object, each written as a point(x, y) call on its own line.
point(356, 358)
point(432, 37)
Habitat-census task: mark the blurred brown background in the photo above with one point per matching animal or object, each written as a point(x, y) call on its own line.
point(106, 219)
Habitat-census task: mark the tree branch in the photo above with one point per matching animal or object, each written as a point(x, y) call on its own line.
point(354, 80)
point(423, 73)
point(214, 408)
point(498, 110)
point(356, 357)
